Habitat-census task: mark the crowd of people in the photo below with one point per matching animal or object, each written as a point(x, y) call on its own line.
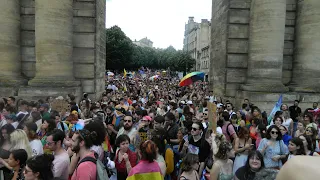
point(144, 128)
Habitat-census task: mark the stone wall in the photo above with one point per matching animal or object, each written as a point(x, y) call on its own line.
point(289, 39)
point(28, 57)
point(237, 45)
point(89, 45)
point(233, 23)
point(88, 54)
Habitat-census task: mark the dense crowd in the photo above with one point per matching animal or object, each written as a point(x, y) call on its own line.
point(150, 128)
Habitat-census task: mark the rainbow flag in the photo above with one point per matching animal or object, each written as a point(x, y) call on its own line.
point(146, 176)
point(106, 145)
point(145, 171)
point(116, 120)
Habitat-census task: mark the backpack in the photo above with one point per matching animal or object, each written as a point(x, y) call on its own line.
point(101, 171)
point(105, 162)
point(231, 138)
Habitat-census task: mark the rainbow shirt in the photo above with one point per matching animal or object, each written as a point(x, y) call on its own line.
point(145, 170)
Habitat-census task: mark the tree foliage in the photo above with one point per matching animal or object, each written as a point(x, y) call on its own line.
point(122, 53)
point(119, 48)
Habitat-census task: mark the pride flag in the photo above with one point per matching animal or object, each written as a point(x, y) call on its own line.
point(275, 109)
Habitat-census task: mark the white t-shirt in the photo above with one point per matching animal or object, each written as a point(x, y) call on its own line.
point(15, 124)
point(61, 164)
point(36, 147)
point(98, 150)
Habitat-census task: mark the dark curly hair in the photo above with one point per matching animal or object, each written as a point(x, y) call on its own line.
point(98, 127)
point(9, 129)
point(268, 136)
point(122, 138)
point(87, 136)
point(42, 164)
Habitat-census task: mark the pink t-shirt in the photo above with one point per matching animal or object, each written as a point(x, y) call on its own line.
point(85, 171)
point(230, 129)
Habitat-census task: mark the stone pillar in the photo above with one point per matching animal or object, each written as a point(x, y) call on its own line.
point(54, 31)
point(266, 42)
point(10, 61)
point(306, 65)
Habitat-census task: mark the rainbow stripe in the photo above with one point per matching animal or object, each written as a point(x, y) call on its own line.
point(191, 78)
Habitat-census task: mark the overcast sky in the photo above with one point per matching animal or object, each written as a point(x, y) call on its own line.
point(162, 21)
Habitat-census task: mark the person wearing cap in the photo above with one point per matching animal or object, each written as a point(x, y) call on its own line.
point(12, 119)
point(44, 108)
point(36, 146)
point(190, 104)
point(285, 136)
point(143, 128)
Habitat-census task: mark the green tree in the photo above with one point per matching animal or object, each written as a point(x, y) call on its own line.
point(122, 53)
point(119, 49)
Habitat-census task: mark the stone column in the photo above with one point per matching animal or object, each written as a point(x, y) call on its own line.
point(53, 30)
point(10, 61)
point(306, 65)
point(267, 29)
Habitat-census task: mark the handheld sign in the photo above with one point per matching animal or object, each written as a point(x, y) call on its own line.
point(60, 104)
point(212, 116)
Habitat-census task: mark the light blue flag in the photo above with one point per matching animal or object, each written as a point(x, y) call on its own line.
point(275, 109)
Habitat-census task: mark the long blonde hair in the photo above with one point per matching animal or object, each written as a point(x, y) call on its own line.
point(19, 140)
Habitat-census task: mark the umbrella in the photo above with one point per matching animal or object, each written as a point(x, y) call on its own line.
point(191, 78)
point(154, 77)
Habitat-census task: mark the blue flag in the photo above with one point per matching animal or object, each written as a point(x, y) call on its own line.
point(275, 109)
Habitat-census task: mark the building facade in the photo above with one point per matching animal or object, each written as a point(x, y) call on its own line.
point(144, 42)
point(52, 48)
point(261, 49)
point(197, 42)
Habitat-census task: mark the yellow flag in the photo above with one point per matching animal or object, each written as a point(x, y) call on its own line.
point(124, 73)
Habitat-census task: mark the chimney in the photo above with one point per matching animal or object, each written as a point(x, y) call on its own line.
point(204, 21)
point(191, 19)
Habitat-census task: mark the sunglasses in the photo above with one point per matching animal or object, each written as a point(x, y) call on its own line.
point(127, 121)
point(195, 129)
point(274, 132)
point(309, 130)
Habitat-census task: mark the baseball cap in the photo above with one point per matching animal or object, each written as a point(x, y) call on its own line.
point(189, 102)
point(146, 118)
point(219, 105)
point(11, 116)
point(182, 102)
point(45, 106)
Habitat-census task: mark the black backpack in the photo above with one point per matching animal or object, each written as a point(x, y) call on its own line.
point(231, 138)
